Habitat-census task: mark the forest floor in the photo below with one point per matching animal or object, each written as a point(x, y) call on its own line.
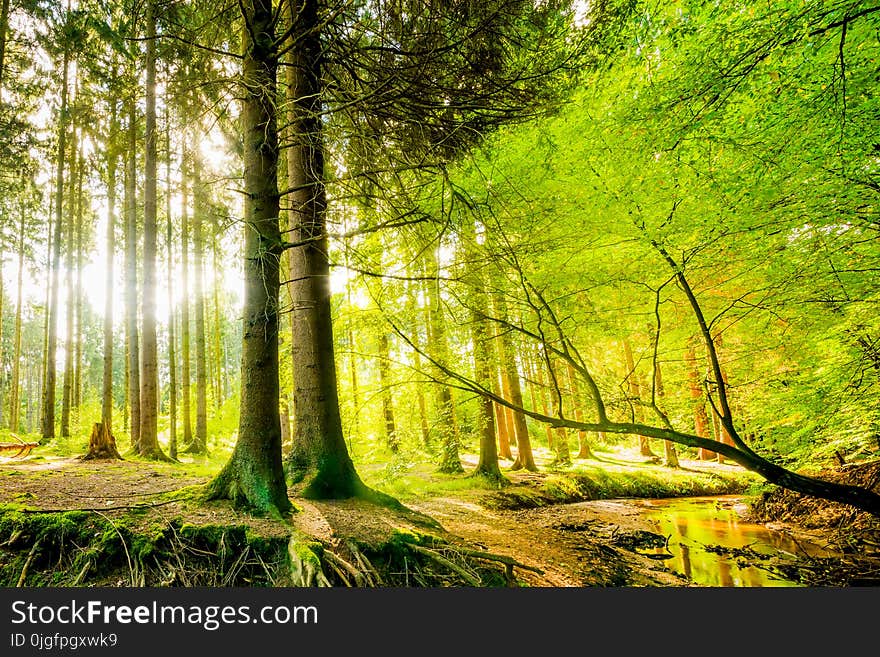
point(531, 528)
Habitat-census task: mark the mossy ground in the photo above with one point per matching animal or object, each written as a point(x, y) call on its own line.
point(124, 523)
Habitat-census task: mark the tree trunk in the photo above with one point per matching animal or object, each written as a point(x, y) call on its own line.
point(412, 306)
point(670, 455)
point(131, 284)
point(484, 370)
point(219, 370)
point(320, 453)
point(701, 419)
point(254, 475)
point(391, 438)
point(14, 397)
point(149, 438)
point(635, 397)
point(541, 390)
point(199, 444)
point(102, 444)
point(4, 27)
point(584, 451)
point(67, 388)
point(186, 377)
point(47, 422)
point(107, 382)
point(169, 252)
point(76, 401)
point(450, 461)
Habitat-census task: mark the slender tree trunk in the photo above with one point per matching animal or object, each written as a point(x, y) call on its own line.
point(701, 419)
point(186, 377)
point(635, 394)
point(319, 452)
point(541, 391)
point(199, 444)
point(107, 382)
point(149, 438)
point(254, 475)
point(219, 370)
point(450, 460)
point(47, 428)
point(131, 285)
point(584, 451)
point(4, 27)
point(102, 442)
point(391, 438)
point(67, 389)
point(169, 251)
point(412, 305)
point(14, 400)
point(670, 455)
point(76, 402)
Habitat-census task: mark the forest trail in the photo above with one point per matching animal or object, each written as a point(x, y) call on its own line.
point(571, 545)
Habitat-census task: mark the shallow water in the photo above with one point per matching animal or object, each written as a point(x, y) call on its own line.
point(694, 523)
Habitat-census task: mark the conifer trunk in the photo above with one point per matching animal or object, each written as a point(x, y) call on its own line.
point(131, 285)
point(254, 475)
point(47, 421)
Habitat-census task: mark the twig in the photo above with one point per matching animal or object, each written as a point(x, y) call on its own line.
point(443, 561)
point(27, 564)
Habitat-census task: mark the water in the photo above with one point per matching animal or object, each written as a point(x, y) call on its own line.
point(696, 522)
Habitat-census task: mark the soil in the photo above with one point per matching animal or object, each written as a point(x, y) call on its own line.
point(555, 546)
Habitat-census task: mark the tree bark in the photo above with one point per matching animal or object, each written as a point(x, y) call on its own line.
point(107, 382)
point(635, 397)
point(149, 438)
point(450, 461)
point(14, 397)
point(102, 444)
point(391, 437)
point(199, 444)
point(584, 451)
point(254, 475)
point(186, 377)
point(131, 284)
point(169, 251)
point(47, 422)
point(67, 389)
point(319, 453)
point(698, 404)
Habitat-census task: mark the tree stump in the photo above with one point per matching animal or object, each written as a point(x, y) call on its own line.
point(102, 444)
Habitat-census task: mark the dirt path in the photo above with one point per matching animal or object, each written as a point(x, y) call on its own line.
point(570, 543)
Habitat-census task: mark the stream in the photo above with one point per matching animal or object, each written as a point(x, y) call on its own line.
point(738, 551)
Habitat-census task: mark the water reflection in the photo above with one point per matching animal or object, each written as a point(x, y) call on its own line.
point(694, 523)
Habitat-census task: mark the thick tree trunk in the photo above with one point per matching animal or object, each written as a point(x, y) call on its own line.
point(102, 444)
point(131, 285)
point(320, 453)
point(47, 423)
point(254, 475)
point(149, 438)
point(391, 437)
point(217, 333)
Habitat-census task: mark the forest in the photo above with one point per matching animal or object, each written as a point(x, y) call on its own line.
point(496, 293)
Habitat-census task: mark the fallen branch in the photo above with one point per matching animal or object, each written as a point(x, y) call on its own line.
point(443, 561)
point(27, 564)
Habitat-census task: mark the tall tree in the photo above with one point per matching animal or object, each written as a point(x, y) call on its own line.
point(131, 282)
point(47, 422)
point(254, 475)
point(149, 439)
